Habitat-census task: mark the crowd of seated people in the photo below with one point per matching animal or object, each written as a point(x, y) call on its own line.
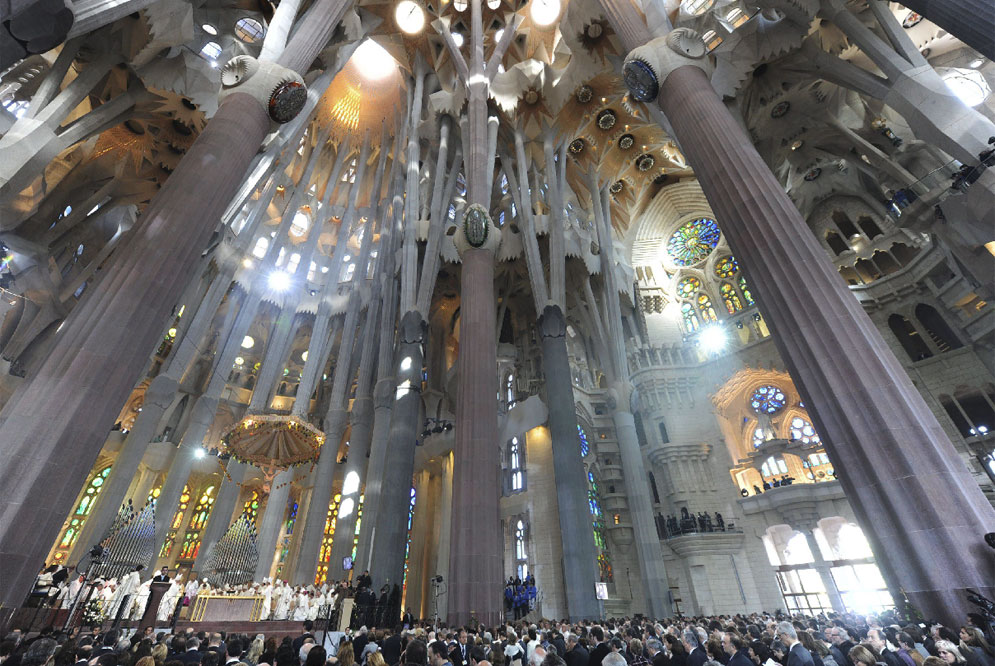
point(759, 639)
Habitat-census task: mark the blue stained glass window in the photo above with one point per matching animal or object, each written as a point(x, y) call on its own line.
point(585, 448)
point(767, 400)
point(693, 241)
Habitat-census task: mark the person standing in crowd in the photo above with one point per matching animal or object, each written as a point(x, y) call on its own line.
point(797, 654)
point(576, 654)
point(737, 649)
point(692, 643)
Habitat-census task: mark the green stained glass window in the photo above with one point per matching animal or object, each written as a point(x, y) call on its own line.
point(726, 267)
point(730, 298)
point(747, 296)
point(687, 287)
point(690, 318)
point(693, 241)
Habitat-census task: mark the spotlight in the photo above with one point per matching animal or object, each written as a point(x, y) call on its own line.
point(436, 430)
point(756, 316)
point(447, 427)
point(279, 281)
point(739, 324)
point(199, 453)
point(437, 579)
point(713, 338)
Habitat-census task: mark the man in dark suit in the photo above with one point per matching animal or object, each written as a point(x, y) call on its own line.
point(877, 640)
point(299, 641)
point(459, 651)
point(577, 654)
point(162, 576)
point(192, 655)
point(391, 647)
point(797, 654)
point(601, 647)
point(658, 656)
point(559, 643)
point(737, 649)
point(692, 644)
point(841, 645)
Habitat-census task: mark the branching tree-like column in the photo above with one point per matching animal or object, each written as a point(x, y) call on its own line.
point(71, 402)
point(922, 511)
point(475, 562)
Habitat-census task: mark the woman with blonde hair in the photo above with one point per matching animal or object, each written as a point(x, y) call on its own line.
point(376, 659)
point(345, 655)
point(949, 653)
point(159, 653)
point(861, 655)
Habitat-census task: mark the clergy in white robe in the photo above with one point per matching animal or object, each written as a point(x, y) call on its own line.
point(303, 606)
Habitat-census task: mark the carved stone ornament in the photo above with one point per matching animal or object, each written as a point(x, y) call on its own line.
point(616, 187)
point(626, 141)
point(577, 146)
point(607, 119)
point(287, 100)
point(645, 162)
point(648, 66)
point(279, 90)
point(476, 225)
point(585, 94)
point(641, 81)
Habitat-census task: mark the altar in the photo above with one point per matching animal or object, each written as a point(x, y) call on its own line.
point(223, 608)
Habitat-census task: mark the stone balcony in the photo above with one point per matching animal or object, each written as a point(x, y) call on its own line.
point(794, 503)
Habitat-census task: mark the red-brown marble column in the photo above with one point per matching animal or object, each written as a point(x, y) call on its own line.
point(52, 434)
point(54, 428)
point(971, 21)
point(476, 548)
point(915, 499)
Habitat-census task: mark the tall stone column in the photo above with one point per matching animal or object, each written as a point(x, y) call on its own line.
point(326, 469)
point(824, 568)
point(75, 395)
point(273, 514)
point(579, 555)
point(445, 533)
point(395, 490)
point(475, 554)
point(383, 402)
point(158, 397)
point(896, 464)
point(637, 492)
point(221, 513)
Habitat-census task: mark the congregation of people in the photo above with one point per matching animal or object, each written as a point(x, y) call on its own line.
point(753, 640)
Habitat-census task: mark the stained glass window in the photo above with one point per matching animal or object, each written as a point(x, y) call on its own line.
point(326, 540)
point(154, 494)
point(407, 547)
point(687, 287)
point(174, 526)
point(706, 309)
point(83, 508)
point(515, 464)
point(251, 508)
point(693, 241)
point(585, 448)
point(690, 318)
point(288, 534)
point(767, 400)
point(803, 430)
point(730, 298)
point(726, 267)
point(201, 511)
point(747, 296)
point(521, 553)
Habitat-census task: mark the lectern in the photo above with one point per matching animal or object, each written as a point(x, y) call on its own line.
point(152, 608)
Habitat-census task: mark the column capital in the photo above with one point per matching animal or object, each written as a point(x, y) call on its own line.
point(281, 91)
point(477, 231)
point(648, 66)
point(551, 322)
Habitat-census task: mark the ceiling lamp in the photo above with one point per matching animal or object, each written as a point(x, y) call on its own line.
point(410, 17)
point(248, 342)
point(969, 85)
point(374, 61)
point(544, 12)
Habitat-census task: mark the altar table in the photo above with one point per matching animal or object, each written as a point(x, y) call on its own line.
point(221, 608)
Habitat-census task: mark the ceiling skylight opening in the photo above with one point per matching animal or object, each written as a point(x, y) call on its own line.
point(249, 30)
point(969, 85)
point(696, 7)
point(374, 61)
point(211, 51)
point(300, 224)
point(209, 29)
point(458, 39)
point(493, 4)
point(544, 12)
point(410, 17)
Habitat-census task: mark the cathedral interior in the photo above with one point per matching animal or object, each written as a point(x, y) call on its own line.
point(679, 306)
